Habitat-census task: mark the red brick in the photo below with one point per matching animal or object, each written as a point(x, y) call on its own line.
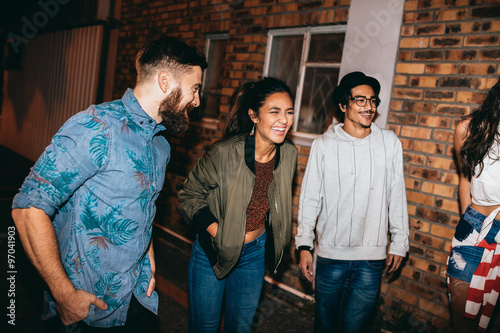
point(412, 184)
point(463, 27)
point(442, 42)
point(420, 198)
point(429, 147)
point(428, 55)
point(493, 54)
point(425, 173)
point(443, 135)
point(414, 159)
point(435, 307)
point(414, 42)
point(450, 178)
point(486, 83)
point(441, 69)
point(439, 95)
point(460, 55)
point(415, 94)
point(430, 29)
point(411, 273)
point(481, 40)
point(400, 80)
point(423, 81)
point(434, 281)
point(452, 15)
point(477, 69)
point(420, 290)
point(419, 225)
point(440, 163)
point(419, 107)
point(410, 68)
point(404, 55)
point(434, 121)
point(433, 215)
point(399, 293)
point(486, 12)
point(452, 110)
point(470, 97)
point(416, 132)
point(438, 189)
point(417, 250)
point(422, 264)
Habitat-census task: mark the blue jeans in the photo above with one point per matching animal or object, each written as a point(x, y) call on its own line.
point(346, 291)
point(242, 288)
point(464, 259)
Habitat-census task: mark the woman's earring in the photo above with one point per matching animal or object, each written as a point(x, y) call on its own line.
point(253, 130)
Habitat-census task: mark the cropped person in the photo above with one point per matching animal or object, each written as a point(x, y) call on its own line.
point(352, 194)
point(84, 213)
point(474, 262)
point(238, 193)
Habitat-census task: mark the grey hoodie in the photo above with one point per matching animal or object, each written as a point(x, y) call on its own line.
point(353, 192)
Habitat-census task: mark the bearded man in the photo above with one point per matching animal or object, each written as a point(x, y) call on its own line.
point(84, 213)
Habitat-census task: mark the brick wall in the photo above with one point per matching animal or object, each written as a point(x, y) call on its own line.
point(449, 56)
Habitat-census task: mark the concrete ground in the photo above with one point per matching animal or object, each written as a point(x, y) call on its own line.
point(279, 311)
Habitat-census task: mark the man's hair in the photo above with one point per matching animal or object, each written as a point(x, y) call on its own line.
point(167, 53)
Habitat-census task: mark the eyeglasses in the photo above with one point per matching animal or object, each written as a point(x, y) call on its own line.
point(361, 101)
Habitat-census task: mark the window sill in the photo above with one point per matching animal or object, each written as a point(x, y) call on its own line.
point(302, 138)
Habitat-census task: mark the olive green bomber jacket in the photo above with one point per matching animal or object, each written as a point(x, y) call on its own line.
point(219, 188)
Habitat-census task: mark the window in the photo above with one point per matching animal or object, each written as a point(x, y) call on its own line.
point(308, 60)
point(212, 77)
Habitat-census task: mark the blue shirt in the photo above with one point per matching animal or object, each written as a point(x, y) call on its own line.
point(98, 180)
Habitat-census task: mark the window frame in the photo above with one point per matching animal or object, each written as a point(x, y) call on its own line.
point(307, 32)
point(209, 38)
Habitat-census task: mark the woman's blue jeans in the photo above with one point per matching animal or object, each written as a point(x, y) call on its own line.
point(242, 288)
point(346, 291)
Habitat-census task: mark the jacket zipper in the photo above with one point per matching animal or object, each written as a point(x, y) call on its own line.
point(281, 253)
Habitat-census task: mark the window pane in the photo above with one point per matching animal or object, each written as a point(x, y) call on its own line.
point(326, 48)
point(216, 57)
point(211, 105)
point(316, 108)
point(285, 59)
point(212, 84)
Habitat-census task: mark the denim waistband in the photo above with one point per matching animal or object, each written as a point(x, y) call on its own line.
point(476, 219)
point(256, 241)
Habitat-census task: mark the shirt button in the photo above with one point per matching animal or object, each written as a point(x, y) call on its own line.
point(150, 121)
point(141, 122)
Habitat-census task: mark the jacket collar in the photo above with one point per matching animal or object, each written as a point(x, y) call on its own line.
point(250, 153)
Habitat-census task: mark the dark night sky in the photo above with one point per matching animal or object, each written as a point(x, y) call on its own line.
point(15, 9)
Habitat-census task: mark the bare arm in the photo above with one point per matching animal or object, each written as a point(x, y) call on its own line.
point(463, 182)
point(40, 243)
point(152, 282)
point(212, 229)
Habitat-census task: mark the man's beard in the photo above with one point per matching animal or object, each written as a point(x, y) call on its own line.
point(174, 117)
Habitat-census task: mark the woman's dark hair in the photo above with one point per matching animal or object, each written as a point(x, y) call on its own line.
point(251, 95)
point(481, 133)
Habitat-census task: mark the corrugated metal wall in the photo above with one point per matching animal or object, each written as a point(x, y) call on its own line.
point(58, 78)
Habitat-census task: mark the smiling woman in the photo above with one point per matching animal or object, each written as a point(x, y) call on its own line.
point(239, 194)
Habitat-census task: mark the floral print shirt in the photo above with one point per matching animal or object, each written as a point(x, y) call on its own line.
point(98, 180)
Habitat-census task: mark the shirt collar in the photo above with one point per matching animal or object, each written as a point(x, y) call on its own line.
point(138, 114)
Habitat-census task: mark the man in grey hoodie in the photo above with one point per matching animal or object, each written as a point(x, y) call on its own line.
point(353, 193)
